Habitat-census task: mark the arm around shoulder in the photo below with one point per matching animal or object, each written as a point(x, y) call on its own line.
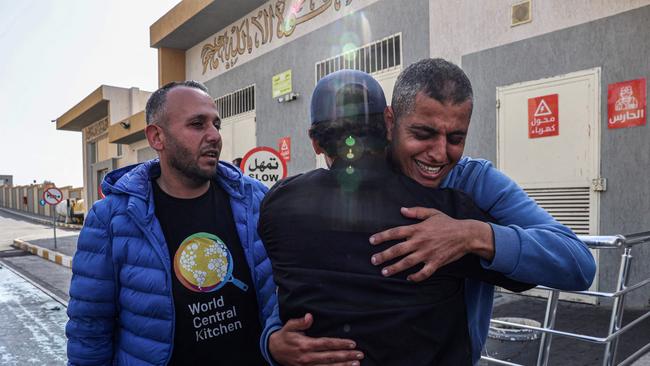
point(530, 245)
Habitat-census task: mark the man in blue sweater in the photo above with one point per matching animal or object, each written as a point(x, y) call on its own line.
point(427, 124)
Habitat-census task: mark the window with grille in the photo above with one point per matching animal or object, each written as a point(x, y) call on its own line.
point(383, 55)
point(238, 102)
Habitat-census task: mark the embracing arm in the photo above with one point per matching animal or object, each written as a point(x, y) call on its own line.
point(527, 245)
point(530, 245)
point(92, 308)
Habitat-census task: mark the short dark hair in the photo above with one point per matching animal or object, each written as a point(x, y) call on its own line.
point(368, 131)
point(436, 78)
point(155, 110)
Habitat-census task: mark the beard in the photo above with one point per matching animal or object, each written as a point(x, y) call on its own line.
point(182, 160)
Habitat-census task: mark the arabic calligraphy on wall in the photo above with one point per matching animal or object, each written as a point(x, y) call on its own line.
point(275, 20)
point(96, 129)
point(626, 104)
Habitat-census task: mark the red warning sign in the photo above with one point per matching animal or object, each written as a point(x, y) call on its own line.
point(626, 102)
point(284, 147)
point(543, 116)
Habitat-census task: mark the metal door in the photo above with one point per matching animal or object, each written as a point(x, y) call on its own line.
point(238, 135)
point(561, 169)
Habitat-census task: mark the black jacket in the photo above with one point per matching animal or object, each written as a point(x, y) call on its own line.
point(316, 226)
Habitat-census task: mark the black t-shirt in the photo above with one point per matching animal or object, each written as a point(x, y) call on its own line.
point(216, 308)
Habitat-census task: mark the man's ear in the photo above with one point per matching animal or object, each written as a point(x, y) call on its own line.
point(317, 148)
point(155, 136)
point(389, 120)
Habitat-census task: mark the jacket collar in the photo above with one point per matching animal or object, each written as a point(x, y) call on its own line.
point(135, 180)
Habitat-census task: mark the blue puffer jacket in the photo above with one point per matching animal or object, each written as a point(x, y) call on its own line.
point(121, 307)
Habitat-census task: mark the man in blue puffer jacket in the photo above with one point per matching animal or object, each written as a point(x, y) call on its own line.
point(169, 268)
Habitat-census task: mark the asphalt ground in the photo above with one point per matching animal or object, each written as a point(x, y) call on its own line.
point(32, 331)
point(576, 318)
point(572, 317)
point(49, 276)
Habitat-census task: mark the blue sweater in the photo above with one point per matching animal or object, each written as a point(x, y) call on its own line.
point(121, 307)
point(530, 245)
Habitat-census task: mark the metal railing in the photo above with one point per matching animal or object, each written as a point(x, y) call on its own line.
point(615, 330)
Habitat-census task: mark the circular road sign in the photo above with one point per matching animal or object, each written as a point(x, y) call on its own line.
point(264, 164)
point(52, 196)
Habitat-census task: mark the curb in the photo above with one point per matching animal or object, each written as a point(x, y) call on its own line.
point(41, 220)
point(56, 257)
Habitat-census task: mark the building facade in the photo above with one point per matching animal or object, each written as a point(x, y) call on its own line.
point(111, 122)
point(533, 62)
point(587, 173)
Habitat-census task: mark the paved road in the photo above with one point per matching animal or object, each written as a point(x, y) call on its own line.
point(53, 278)
point(32, 331)
point(13, 227)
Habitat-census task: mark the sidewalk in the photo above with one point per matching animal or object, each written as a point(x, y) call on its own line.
point(578, 318)
point(45, 220)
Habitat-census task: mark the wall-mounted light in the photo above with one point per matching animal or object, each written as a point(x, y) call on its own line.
point(125, 124)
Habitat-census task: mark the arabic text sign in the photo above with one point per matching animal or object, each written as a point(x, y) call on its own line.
point(264, 164)
point(52, 196)
point(282, 84)
point(543, 116)
point(626, 102)
point(284, 147)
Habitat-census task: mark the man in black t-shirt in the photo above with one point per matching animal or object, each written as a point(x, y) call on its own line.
point(215, 304)
point(169, 269)
point(315, 228)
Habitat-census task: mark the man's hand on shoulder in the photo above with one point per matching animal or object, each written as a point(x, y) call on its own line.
point(435, 242)
point(290, 346)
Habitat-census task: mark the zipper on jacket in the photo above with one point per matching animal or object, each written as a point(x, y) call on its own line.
point(148, 234)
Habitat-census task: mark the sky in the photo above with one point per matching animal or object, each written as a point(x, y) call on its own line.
point(53, 53)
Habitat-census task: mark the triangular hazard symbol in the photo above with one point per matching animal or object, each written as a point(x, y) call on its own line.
point(543, 109)
point(284, 145)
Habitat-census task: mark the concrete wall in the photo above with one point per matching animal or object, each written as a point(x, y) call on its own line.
point(12, 198)
point(467, 26)
point(618, 44)
point(275, 120)
point(124, 102)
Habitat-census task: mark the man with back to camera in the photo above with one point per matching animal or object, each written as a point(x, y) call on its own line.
point(169, 268)
point(427, 123)
point(315, 228)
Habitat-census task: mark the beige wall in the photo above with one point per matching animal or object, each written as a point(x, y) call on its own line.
point(32, 190)
point(130, 155)
point(471, 25)
point(124, 102)
point(171, 65)
point(103, 149)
